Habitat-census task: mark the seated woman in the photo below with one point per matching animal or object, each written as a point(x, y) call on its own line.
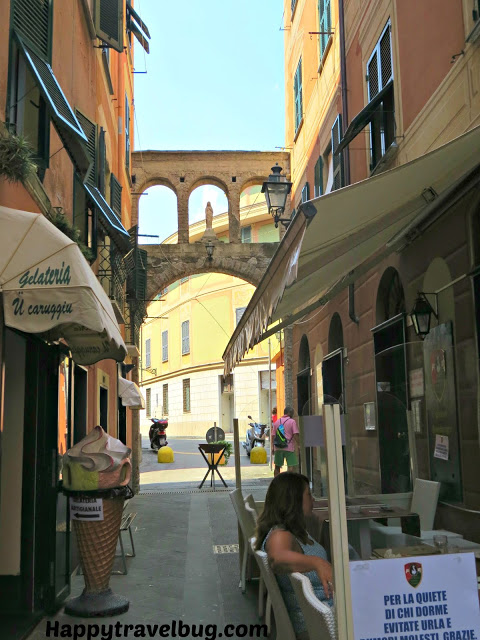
point(282, 534)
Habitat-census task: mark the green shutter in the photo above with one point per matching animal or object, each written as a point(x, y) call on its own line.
point(33, 21)
point(337, 159)
point(108, 19)
point(90, 130)
point(298, 95)
point(127, 132)
point(102, 161)
point(115, 195)
point(325, 21)
point(318, 186)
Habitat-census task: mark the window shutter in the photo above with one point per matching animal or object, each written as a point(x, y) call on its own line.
point(147, 353)
point(127, 132)
point(325, 21)
point(165, 399)
point(372, 75)
point(306, 192)
point(186, 395)
point(90, 130)
point(115, 195)
point(385, 53)
point(102, 161)
point(238, 314)
point(185, 337)
point(164, 346)
point(148, 402)
point(298, 95)
point(337, 158)
point(318, 187)
point(108, 20)
point(32, 20)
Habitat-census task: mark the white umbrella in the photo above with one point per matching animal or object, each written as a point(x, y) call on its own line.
point(49, 288)
point(130, 394)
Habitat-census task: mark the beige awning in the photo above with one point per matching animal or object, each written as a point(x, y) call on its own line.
point(341, 235)
point(130, 394)
point(49, 288)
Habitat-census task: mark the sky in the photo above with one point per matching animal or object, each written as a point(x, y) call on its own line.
point(214, 81)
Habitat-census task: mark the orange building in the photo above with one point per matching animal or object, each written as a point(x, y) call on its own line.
point(66, 105)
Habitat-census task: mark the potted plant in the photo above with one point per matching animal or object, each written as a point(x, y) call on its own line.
point(16, 157)
point(226, 454)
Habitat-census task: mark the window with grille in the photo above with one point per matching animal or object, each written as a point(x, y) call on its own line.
point(148, 361)
point(185, 337)
point(148, 402)
point(325, 23)
point(318, 184)
point(380, 81)
point(186, 395)
point(247, 234)
point(164, 346)
point(297, 89)
point(337, 159)
point(165, 399)
point(239, 311)
point(306, 192)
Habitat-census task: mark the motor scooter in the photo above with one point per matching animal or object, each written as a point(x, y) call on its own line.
point(256, 436)
point(157, 435)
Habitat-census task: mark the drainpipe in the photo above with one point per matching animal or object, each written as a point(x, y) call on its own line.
point(343, 82)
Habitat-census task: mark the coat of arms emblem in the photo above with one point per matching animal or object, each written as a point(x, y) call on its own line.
point(413, 573)
point(438, 372)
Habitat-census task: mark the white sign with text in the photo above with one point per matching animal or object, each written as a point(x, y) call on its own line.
point(419, 598)
point(86, 509)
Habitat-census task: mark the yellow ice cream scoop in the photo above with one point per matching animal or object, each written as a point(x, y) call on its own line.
point(77, 478)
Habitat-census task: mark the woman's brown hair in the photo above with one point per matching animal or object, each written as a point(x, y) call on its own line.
point(284, 506)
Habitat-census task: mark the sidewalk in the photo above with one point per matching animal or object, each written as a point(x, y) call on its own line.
point(176, 576)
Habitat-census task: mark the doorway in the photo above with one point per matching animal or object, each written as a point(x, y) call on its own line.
point(104, 408)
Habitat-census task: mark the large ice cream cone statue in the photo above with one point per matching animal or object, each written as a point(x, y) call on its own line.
point(98, 468)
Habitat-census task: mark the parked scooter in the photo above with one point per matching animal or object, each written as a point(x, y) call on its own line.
point(256, 436)
point(157, 435)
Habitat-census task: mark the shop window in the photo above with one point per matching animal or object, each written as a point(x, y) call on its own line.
point(325, 24)
point(246, 234)
point(148, 361)
point(164, 346)
point(165, 399)
point(186, 395)
point(297, 89)
point(148, 402)
point(318, 181)
point(185, 337)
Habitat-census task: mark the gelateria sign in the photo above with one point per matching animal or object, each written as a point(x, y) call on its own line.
point(419, 598)
point(48, 288)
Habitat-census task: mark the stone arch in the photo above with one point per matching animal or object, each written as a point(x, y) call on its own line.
point(252, 182)
point(390, 296)
point(155, 182)
point(208, 180)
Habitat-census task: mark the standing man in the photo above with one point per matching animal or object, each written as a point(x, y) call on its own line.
point(290, 453)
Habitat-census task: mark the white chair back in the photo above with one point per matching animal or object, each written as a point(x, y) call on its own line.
point(282, 620)
point(245, 521)
point(424, 502)
point(319, 617)
point(251, 510)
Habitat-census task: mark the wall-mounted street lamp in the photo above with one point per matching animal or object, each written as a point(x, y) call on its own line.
point(422, 312)
point(276, 190)
point(210, 248)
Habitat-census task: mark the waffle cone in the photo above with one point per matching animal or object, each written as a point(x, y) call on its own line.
point(97, 542)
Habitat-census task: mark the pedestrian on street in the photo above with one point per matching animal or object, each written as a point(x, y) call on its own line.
point(290, 452)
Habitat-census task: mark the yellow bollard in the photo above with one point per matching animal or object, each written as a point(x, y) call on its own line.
point(258, 455)
point(165, 454)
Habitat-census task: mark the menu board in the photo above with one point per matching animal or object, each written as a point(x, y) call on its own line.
point(416, 598)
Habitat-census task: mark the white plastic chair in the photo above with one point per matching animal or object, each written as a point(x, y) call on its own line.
point(282, 619)
point(247, 526)
point(319, 617)
point(252, 512)
point(424, 502)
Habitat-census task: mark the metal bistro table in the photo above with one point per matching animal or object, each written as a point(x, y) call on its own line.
point(211, 450)
point(358, 517)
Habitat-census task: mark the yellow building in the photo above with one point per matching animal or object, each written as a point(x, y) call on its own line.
point(185, 334)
